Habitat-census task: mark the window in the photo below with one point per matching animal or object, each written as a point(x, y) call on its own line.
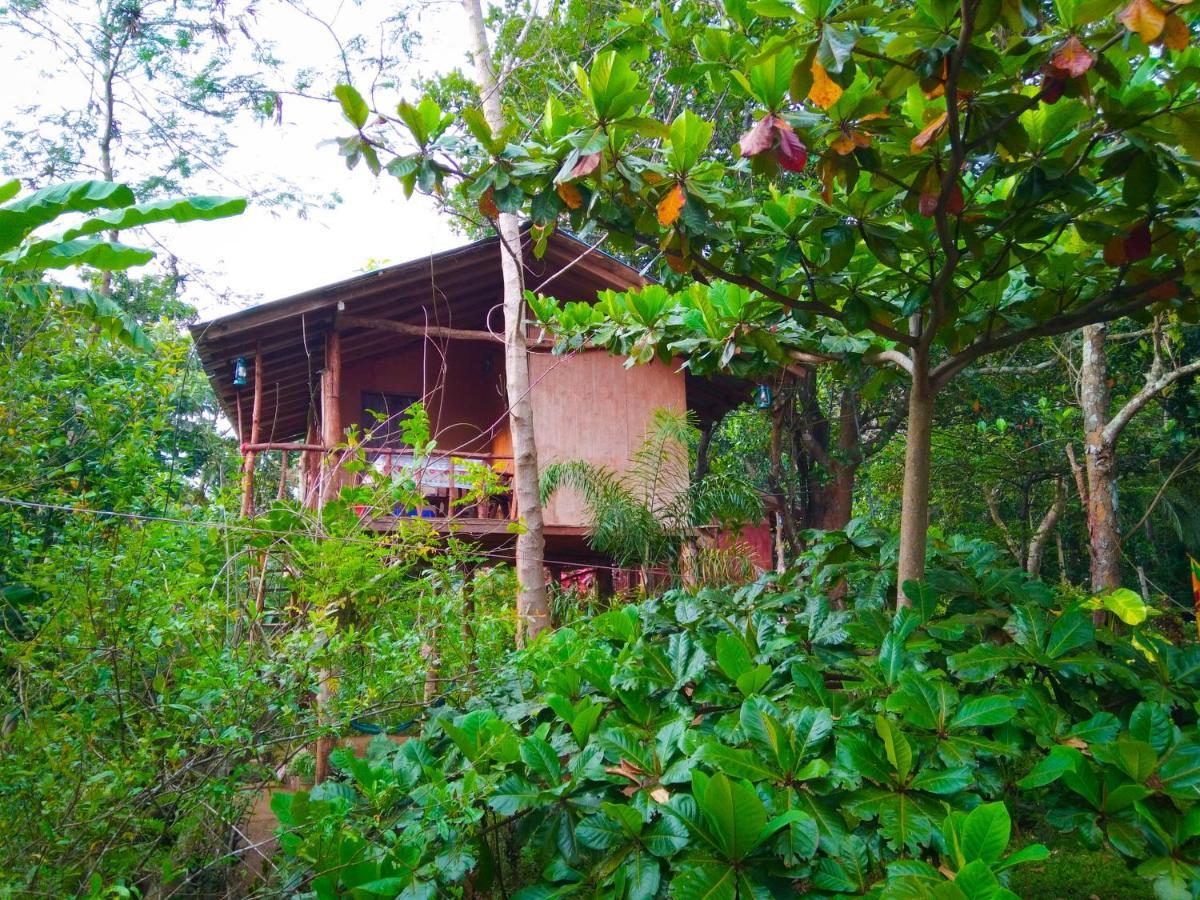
point(381, 417)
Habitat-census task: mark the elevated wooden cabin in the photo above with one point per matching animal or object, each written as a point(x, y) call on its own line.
point(319, 362)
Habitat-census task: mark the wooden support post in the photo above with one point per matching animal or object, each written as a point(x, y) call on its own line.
point(310, 467)
point(248, 456)
point(330, 483)
point(331, 416)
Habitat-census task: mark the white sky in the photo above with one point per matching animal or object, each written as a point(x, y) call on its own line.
point(265, 254)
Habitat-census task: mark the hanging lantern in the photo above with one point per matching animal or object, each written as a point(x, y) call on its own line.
point(240, 372)
point(763, 398)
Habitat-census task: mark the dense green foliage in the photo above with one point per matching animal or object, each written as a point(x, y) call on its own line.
point(759, 743)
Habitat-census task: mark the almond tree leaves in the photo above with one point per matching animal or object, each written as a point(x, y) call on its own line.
point(1145, 18)
point(671, 205)
point(772, 134)
point(1073, 58)
point(824, 91)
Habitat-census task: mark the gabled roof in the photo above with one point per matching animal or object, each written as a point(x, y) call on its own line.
point(455, 289)
point(459, 288)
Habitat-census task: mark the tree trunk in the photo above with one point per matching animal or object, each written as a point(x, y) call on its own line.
point(914, 505)
point(533, 608)
point(1037, 546)
point(1104, 536)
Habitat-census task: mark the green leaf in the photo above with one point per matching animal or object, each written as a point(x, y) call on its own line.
point(768, 81)
point(541, 759)
point(690, 136)
point(21, 217)
point(738, 763)
point(1072, 630)
point(513, 794)
point(943, 781)
point(733, 811)
point(1059, 762)
point(1126, 605)
point(665, 837)
point(896, 746)
point(188, 209)
point(705, 882)
point(981, 711)
point(985, 833)
point(354, 107)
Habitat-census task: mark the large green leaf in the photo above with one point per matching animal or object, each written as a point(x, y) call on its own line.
point(187, 209)
point(734, 812)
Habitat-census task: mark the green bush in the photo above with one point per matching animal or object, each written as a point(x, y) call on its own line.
point(762, 744)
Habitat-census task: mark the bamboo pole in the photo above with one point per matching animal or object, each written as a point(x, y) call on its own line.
point(249, 456)
point(331, 436)
point(345, 322)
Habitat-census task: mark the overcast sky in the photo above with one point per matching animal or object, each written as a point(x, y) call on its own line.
point(266, 254)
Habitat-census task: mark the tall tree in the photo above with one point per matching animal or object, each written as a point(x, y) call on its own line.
point(973, 191)
point(1103, 427)
point(533, 607)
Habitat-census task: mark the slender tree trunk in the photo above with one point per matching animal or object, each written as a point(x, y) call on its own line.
point(839, 502)
point(533, 608)
point(1104, 536)
point(1037, 546)
point(914, 508)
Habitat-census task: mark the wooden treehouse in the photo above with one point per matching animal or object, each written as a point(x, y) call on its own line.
point(296, 374)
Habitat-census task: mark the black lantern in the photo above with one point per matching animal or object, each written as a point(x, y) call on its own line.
point(763, 398)
point(240, 372)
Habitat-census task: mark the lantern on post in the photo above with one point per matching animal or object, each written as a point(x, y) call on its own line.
point(240, 372)
point(763, 397)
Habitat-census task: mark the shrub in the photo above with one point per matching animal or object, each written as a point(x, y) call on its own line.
point(759, 743)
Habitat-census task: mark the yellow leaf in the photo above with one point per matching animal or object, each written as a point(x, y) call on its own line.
point(824, 91)
point(1175, 34)
point(570, 194)
point(846, 141)
point(1145, 18)
point(671, 205)
point(922, 140)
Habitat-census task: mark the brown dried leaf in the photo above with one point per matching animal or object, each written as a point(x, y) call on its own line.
point(660, 794)
point(1176, 33)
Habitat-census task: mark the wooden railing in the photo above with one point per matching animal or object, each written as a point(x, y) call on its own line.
point(444, 481)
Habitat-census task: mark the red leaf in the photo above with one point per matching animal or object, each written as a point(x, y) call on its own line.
point(1073, 58)
point(792, 152)
point(954, 202)
point(759, 138)
point(1114, 251)
point(1054, 82)
point(1137, 244)
point(487, 204)
point(586, 165)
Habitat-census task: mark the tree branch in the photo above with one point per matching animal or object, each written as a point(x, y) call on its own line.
point(1135, 403)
